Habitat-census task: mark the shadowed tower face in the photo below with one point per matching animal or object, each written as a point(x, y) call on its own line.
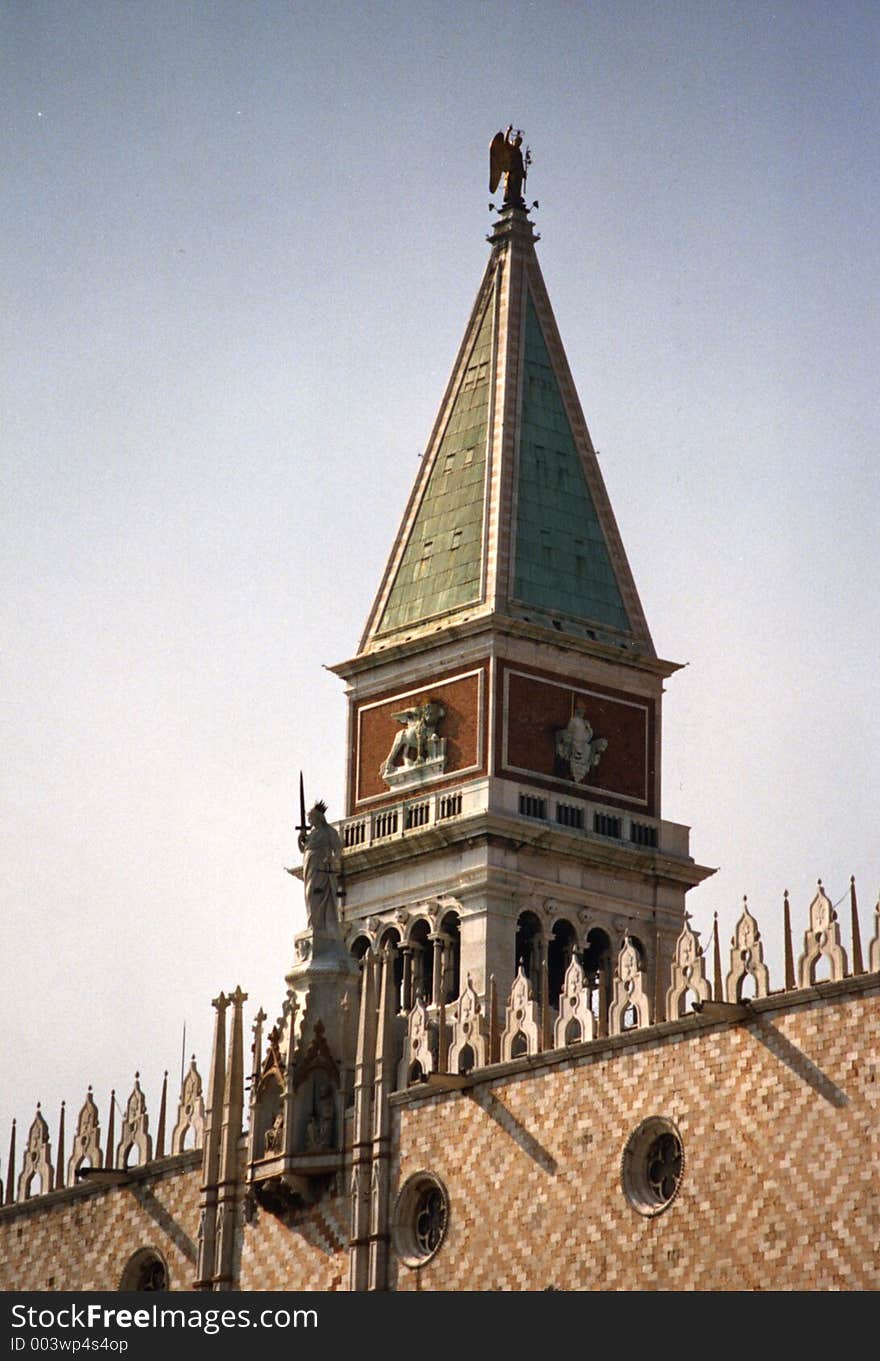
point(441, 567)
point(505, 699)
point(561, 561)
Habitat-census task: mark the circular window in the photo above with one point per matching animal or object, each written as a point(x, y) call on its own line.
point(421, 1217)
point(652, 1166)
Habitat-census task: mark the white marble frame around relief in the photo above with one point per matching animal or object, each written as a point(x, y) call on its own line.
point(399, 795)
point(588, 791)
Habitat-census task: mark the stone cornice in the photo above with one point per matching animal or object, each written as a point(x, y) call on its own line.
point(516, 628)
point(580, 845)
point(107, 1179)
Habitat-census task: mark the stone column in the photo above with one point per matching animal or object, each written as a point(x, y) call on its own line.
point(407, 999)
point(546, 1027)
point(437, 978)
point(417, 966)
point(362, 1150)
point(385, 1070)
point(604, 1001)
point(205, 1269)
point(537, 965)
point(229, 1189)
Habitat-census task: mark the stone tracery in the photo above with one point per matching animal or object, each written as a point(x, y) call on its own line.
point(86, 1140)
point(688, 972)
point(746, 959)
point(821, 941)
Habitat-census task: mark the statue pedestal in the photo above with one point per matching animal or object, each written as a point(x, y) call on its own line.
point(414, 773)
point(319, 955)
point(306, 1084)
point(324, 982)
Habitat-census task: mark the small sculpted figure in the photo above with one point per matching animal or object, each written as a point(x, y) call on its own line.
point(419, 740)
point(319, 1130)
point(506, 158)
point(576, 746)
point(275, 1134)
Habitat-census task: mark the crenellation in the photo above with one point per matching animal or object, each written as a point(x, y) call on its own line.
point(135, 1134)
point(575, 1001)
point(575, 1021)
point(86, 1149)
point(37, 1159)
point(470, 1034)
point(713, 1141)
point(688, 973)
point(522, 1020)
point(190, 1111)
point(631, 1005)
point(821, 941)
point(746, 959)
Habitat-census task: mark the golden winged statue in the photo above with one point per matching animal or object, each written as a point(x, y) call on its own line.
point(506, 158)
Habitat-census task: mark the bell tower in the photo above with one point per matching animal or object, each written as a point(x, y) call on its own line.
point(504, 734)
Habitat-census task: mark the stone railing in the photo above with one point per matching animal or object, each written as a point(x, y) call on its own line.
point(398, 820)
point(594, 819)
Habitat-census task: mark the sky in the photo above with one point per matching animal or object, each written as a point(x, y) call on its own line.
point(239, 244)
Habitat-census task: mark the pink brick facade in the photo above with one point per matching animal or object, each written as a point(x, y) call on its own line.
point(82, 1238)
point(780, 1122)
point(779, 1117)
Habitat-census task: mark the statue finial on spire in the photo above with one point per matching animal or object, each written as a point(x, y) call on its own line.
point(506, 158)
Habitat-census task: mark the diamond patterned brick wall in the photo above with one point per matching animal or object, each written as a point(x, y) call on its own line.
point(82, 1240)
point(307, 1251)
point(779, 1122)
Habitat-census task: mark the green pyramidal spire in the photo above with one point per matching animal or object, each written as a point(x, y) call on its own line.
point(441, 567)
point(509, 517)
point(562, 563)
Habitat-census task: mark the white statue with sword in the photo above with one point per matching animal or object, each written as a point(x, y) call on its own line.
point(321, 850)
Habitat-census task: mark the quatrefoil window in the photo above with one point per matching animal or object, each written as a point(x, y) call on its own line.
point(421, 1217)
point(652, 1166)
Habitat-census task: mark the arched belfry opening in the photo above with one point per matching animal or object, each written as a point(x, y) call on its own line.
point(599, 970)
point(450, 968)
point(390, 939)
point(528, 949)
point(420, 969)
point(560, 948)
point(359, 947)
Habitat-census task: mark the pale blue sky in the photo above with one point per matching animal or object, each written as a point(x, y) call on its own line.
point(239, 244)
